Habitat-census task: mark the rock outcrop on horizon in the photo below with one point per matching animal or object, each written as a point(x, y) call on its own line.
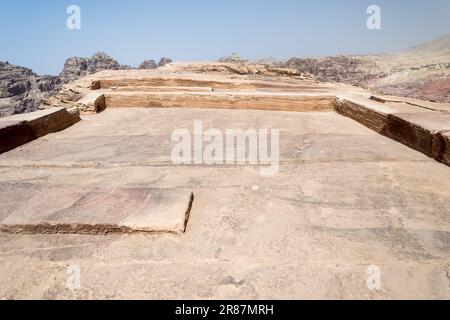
point(21, 90)
point(148, 64)
point(233, 58)
point(338, 69)
point(164, 61)
point(76, 68)
point(421, 72)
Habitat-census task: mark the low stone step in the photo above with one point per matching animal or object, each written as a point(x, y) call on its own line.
point(422, 128)
point(84, 210)
point(20, 129)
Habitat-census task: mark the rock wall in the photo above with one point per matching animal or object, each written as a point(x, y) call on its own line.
point(21, 90)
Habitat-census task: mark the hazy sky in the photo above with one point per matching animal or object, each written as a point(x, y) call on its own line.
point(34, 32)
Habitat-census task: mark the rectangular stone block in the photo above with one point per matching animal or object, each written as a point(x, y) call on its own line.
point(20, 129)
point(370, 118)
point(417, 127)
point(78, 210)
point(222, 100)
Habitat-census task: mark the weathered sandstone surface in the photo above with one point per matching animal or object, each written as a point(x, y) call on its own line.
point(117, 210)
point(204, 84)
point(76, 68)
point(105, 195)
point(422, 72)
point(361, 183)
point(344, 69)
point(418, 124)
point(345, 198)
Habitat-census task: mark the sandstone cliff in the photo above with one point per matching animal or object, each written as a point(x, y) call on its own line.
point(421, 72)
point(21, 90)
point(164, 61)
point(351, 70)
point(76, 68)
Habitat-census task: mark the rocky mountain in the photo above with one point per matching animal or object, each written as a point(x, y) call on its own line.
point(345, 69)
point(76, 68)
point(148, 64)
point(233, 58)
point(421, 72)
point(164, 61)
point(21, 90)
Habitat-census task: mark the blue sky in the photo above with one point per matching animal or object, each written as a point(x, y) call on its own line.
point(34, 33)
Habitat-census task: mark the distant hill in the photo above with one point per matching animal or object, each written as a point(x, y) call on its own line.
point(421, 72)
point(437, 46)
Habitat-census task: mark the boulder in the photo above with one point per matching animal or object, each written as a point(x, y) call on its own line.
point(148, 64)
point(101, 61)
point(75, 68)
point(164, 61)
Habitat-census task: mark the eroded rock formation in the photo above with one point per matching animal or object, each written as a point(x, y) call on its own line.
point(233, 58)
point(421, 72)
point(21, 90)
point(164, 61)
point(338, 69)
point(76, 68)
point(148, 64)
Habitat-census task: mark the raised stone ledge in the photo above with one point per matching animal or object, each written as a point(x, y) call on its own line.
point(20, 129)
point(423, 129)
point(232, 100)
point(197, 82)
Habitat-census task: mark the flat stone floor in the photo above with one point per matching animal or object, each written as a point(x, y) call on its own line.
point(345, 198)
